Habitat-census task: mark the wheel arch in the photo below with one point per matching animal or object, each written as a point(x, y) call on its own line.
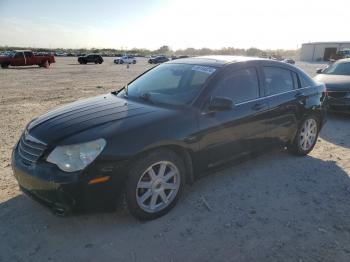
point(311, 111)
point(184, 153)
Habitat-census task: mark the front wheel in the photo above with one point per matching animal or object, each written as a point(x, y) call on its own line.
point(4, 65)
point(306, 136)
point(154, 184)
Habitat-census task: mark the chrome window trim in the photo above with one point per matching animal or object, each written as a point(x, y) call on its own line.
point(271, 95)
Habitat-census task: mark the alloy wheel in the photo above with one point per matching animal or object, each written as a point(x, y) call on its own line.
point(308, 134)
point(158, 186)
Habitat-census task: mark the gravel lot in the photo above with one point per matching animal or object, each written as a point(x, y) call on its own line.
point(275, 207)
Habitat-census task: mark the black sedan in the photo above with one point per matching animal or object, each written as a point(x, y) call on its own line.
point(163, 130)
point(336, 77)
point(158, 60)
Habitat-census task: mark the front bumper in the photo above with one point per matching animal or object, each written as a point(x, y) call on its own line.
point(339, 104)
point(64, 192)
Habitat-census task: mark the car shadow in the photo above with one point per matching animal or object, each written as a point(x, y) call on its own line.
point(89, 64)
point(273, 206)
point(337, 129)
point(24, 68)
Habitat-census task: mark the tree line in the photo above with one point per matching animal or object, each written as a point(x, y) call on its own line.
point(166, 50)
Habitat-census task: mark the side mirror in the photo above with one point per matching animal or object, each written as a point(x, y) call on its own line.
point(319, 70)
point(219, 103)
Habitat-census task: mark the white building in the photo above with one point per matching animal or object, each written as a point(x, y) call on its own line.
point(321, 51)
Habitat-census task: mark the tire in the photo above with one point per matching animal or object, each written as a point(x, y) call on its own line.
point(306, 136)
point(4, 65)
point(134, 62)
point(96, 62)
point(149, 194)
point(46, 64)
point(121, 61)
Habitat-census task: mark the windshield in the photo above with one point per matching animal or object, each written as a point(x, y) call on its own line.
point(173, 84)
point(338, 69)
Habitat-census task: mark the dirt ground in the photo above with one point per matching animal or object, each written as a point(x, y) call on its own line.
point(276, 207)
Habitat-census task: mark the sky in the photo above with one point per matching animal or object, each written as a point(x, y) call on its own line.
point(126, 24)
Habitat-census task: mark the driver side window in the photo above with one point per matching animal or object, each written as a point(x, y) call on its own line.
point(19, 55)
point(240, 86)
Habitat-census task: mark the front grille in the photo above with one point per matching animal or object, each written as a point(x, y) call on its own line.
point(30, 149)
point(338, 94)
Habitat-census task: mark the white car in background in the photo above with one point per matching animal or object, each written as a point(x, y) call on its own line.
point(125, 60)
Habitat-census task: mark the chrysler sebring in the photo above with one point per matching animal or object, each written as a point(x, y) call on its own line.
point(163, 130)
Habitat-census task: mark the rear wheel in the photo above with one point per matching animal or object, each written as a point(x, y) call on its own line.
point(46, 64)
point(154, 184)
point(306, 136)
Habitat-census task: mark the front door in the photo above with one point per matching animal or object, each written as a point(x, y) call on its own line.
point(18, 59)
point(240, 130)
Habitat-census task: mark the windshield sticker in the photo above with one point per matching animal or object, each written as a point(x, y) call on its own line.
point(205, 69)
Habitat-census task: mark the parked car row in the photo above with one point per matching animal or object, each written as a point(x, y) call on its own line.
point(164, 129)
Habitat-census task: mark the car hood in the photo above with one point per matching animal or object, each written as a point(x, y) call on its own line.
point(85, 114)
point(334, 82)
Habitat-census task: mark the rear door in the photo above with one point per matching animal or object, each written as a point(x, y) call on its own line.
point(90, 58)
point(286, 102)
point(29, 58)
point(231, 133)
point(127, 60)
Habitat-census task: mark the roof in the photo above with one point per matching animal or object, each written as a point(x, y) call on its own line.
point(344, 60)
point(330, 42)
point(214, 60)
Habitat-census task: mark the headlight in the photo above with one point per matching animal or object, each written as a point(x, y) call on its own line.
point(76, 157)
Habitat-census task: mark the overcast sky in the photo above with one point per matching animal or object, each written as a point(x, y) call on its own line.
point(265, 24)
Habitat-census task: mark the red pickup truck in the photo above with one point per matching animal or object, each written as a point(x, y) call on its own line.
point(26, 58)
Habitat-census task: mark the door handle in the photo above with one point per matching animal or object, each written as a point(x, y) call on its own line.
point(258, 107)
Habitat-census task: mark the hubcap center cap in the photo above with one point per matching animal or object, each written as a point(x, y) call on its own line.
point(157, 184)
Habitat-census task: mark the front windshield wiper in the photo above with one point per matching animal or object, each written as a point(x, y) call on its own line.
point(125, 88)
point(146, 97)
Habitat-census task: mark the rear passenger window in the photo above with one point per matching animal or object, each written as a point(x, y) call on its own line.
point(241, 86)
point(278, 80)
